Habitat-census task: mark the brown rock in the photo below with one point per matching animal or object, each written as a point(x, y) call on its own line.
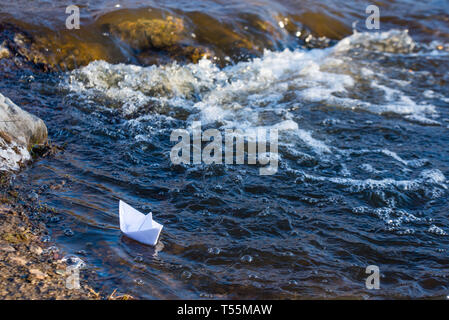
point(150, 33)
point(4, 51)
point(23, 274)
point(36, 250)
point(7, 248)
point(19, 131)
point(323, 25)
point(19, 260)
point(25, 127)
point(37, 274)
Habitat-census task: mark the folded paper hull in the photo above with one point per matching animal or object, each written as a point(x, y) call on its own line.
point(138, 226)
point(148, 237)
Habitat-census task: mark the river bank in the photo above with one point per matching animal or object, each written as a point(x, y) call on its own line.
point(31, 266)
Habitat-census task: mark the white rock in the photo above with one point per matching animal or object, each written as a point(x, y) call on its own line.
point(19, 131)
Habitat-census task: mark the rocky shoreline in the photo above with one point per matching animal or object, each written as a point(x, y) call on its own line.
point(31, 269)
point(31, 266)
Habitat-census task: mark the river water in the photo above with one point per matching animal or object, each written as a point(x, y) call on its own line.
point(363, 124)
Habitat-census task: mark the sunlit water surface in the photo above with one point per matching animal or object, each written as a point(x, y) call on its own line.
point(362, 177)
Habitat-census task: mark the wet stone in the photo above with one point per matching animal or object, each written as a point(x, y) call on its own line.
point(37, 274)
point(46, 238)
point(69, 232)
point(186, 275)
point(54, 219)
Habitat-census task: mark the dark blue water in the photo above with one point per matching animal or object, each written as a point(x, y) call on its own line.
point(362, 177)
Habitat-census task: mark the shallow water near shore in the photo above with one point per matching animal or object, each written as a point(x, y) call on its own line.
point(363, 150)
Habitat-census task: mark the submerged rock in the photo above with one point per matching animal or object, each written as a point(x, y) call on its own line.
point(156, 39)
point(148, 36)
point(114, 38)
point(19, 131)
point(150, 33)
point(52, 50)
point(4, 52)
point(153, 38)
point(63, 51)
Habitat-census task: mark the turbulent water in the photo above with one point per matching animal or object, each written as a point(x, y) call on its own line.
point(362, 177)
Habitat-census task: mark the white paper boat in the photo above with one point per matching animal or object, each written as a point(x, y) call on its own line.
point(138, 226)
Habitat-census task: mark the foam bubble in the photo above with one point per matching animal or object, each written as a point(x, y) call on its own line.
point(433, 176)
point(437, 230)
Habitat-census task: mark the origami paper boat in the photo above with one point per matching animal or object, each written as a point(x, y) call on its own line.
point(138, 226)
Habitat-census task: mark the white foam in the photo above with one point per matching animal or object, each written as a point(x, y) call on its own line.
point(260, 93)
point(236, 95)
point(359, 185)
point(12, 155)
point(369, 168)
point(394, 218)
point(318, 146)
point(411, 163)
point(415, 163)
point(394, 41)
point(433, 176)
point(437, 230)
